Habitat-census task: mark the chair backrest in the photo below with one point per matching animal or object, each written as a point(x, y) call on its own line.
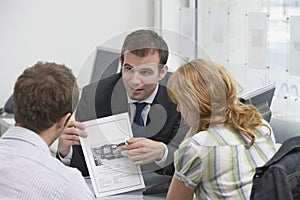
point(279, 178)
point(9, 105)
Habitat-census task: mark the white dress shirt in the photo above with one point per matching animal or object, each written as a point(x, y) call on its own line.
point(132, 111)
point(28, 171)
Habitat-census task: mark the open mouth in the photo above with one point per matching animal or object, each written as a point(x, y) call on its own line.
point(136, 91)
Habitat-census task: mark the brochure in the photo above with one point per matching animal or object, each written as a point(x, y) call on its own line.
point(111, 171)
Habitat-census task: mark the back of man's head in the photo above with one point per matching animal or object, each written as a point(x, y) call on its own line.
point(43, 94)
point(145, 42)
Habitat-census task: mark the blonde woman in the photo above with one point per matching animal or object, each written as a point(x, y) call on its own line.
point(227, 139)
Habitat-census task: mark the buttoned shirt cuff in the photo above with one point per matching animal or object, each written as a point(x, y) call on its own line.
point(67, 159)
point(164, 158)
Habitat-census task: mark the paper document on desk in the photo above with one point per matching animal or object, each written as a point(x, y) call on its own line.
point(9, 121)
point(111, 171)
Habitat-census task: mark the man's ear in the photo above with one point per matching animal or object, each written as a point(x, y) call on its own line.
point(62, 122)
point(163, 72)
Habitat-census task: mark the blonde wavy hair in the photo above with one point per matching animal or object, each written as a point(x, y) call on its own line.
point(207, 96)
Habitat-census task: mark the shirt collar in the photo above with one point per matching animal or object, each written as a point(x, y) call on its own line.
point(149, 100)
point(28, 136)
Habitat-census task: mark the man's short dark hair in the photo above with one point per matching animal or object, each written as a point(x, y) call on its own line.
point(43, 94)
point(143, 43)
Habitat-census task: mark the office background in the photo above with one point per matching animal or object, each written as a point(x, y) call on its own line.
point(257, 40)
point(64, 31)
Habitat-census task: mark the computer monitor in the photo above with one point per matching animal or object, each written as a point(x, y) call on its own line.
point(106, 63)
point(261, 98)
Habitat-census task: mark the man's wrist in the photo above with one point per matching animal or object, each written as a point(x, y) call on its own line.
point(66, 159)
point(164, 157)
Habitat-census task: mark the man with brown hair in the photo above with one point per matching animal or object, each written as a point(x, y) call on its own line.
point(45, 96)
point(136, 89)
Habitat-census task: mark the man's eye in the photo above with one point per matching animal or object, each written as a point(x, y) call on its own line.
point(127, 68)
point(145, 72)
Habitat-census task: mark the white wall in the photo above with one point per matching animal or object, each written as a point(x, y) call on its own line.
point(62, 31)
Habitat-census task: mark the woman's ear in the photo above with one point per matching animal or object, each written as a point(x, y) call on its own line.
point(62, 122)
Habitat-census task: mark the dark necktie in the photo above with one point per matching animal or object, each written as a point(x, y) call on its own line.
point(138, 128)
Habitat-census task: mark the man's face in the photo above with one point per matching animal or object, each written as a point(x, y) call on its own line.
point(141, 74)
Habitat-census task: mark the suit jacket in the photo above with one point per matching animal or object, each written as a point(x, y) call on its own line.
point(108, 96)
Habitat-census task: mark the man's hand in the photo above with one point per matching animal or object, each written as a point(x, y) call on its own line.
point(143, 151)
point(70, 136)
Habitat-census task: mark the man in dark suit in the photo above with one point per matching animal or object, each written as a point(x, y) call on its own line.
point(143, 61)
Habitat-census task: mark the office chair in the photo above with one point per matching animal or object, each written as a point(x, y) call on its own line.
point(279, 178)
point(9, 106)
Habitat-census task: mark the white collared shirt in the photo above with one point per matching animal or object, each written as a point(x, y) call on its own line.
point(132, 107)
point(132, 111)
point(28, 171)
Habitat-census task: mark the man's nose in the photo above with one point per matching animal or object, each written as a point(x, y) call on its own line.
point(135, 78)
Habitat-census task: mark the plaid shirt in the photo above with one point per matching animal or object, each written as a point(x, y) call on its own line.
point(217, 164)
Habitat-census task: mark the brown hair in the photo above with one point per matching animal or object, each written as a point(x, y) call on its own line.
point(44, 93)
point(144, 42)
point(207, 90)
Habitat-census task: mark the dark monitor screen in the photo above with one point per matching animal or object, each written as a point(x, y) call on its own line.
point(261, 98)
point(106, 63)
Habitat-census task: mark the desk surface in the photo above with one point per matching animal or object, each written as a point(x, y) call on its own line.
point(137, 194)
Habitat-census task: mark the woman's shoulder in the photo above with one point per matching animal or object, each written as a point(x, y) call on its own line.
point(200, 137)
point(266, 130)
point(217, 136)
